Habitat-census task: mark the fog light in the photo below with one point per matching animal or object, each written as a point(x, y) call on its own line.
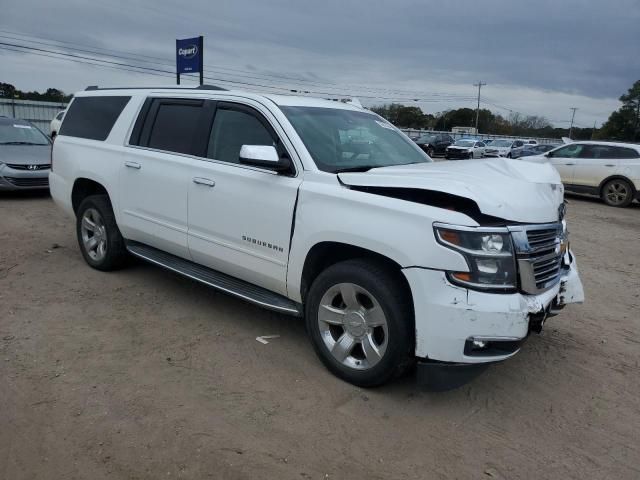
point(479, 344)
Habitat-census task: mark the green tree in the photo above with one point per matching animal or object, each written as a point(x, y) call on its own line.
point(403, 116)
point(624, 123)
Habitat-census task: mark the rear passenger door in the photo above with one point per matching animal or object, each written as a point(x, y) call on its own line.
point(593, 165)
point(156, 172)
point(240, 217)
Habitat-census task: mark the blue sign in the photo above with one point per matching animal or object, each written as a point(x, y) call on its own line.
point(189, 55)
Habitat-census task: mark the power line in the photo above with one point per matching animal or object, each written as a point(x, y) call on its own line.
point(148, 69)
point(423, 96)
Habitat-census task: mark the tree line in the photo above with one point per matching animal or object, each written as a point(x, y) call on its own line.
point(622, 125)
point(49, 95)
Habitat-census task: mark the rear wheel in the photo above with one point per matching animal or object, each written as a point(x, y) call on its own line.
point(617, 193)
point(99, 237)
point(360, 321)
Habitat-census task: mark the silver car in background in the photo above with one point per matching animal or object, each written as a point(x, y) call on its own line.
point(25, 156)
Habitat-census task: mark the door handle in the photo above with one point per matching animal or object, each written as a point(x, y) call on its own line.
point(204, 181)
point(135, 165)
point(569, 163)
point(609, 165)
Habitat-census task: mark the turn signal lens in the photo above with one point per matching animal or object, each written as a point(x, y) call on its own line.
point(450, 236)
point(465, 277)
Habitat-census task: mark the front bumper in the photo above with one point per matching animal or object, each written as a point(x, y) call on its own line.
point(13, 179)
point(457, 154)
point(449, 318)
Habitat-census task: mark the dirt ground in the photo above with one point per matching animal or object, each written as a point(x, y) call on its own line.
point(141, 374)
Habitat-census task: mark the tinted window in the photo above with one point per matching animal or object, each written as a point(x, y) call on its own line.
point(232, 129)
point(480, 144)
point(59, 116)
point(597, 151)
point(174, 127)
point(92, 117)
point(622, 152)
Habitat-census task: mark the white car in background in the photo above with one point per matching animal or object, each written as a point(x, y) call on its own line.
point(606, 169)
point(465, 148)
point(503, 147)
point(54, 127)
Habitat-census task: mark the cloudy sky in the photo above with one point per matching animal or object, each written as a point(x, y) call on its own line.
point(538, 57)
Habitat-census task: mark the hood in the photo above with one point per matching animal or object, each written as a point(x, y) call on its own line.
point(25, 154)
point(534, 159)
point(511, 190)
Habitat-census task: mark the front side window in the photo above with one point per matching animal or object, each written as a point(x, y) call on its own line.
point(232, 129)
point(59, 116)
point(570, 151)
point(340, 140)
point(174, 126)
point(19, 133)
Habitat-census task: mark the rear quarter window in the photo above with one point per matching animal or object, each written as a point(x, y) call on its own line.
point(92, 117)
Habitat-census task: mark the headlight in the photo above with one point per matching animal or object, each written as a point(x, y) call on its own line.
point(489, 254)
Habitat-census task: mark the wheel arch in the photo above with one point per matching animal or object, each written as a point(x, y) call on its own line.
point(84, 187)
point(616, 177)
point(326, 253)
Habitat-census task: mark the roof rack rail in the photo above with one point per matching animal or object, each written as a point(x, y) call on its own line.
point(199, 87)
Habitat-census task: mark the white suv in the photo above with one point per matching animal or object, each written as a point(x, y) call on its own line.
point(324, 210)
point(608, 170)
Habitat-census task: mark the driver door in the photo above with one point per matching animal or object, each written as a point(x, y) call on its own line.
point(564, 160)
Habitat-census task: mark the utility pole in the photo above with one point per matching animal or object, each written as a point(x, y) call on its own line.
point(593, 130)
point(573, 115)
point(479, 85)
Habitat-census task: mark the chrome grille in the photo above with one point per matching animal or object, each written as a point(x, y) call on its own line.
point(539, 253)
point(16, 166)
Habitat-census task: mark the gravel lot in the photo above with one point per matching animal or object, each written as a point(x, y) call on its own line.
point(143, 374)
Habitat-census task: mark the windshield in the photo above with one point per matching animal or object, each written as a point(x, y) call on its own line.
point(501, 143)
point(21, 134)
point(465, 143)
point(342, 140)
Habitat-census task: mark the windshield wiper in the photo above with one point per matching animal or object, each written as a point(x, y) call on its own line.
point(21, 143)
point(361, 168)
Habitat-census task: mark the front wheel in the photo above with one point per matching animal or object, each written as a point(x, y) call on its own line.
point(617, 193)
point(360, 320)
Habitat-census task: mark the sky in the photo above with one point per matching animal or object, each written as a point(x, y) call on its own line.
point(537, 57)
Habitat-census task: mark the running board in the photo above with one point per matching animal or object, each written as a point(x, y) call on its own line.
point(220, 281)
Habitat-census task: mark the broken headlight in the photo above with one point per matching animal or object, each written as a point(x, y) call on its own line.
point(489, 253)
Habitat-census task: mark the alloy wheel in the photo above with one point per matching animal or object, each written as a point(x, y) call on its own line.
point(353, 326)
point(94, 234)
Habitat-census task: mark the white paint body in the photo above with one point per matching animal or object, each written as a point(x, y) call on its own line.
point(160, 205)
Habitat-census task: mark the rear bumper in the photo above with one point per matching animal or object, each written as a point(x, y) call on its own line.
point(450, 318)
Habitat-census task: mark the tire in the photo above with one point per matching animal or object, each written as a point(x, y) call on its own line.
point(369, 323)
point(509, 155)
point(430, 151)
point(617, 193)
point(99, 237)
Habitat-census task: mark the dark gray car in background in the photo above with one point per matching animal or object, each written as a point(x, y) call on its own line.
point(25, 156)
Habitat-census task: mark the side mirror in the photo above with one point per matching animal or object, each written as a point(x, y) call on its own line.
point(265, 156)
